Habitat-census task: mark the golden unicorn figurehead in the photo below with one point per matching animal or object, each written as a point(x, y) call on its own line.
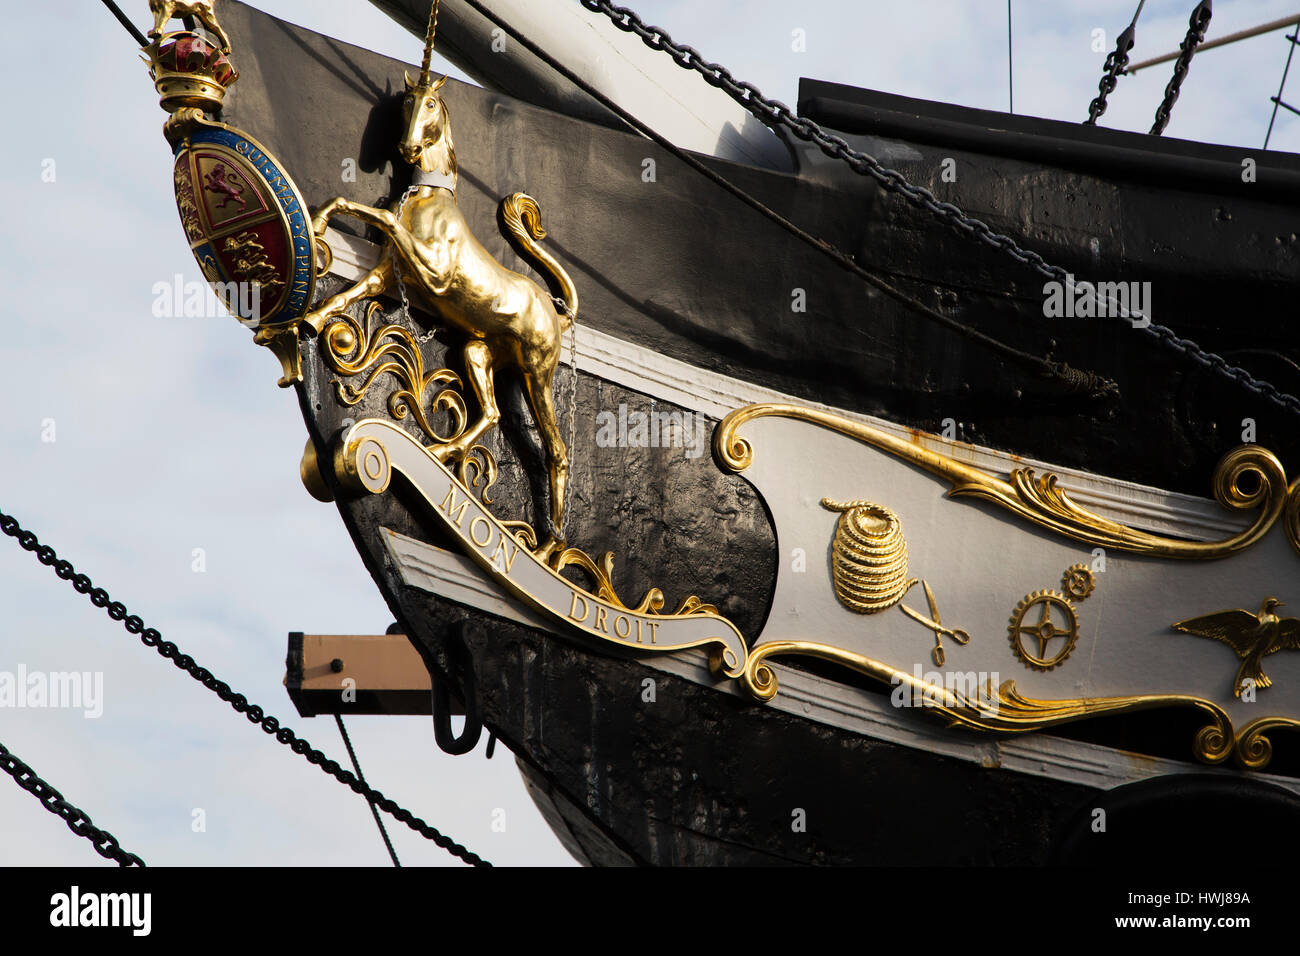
point(426, 140)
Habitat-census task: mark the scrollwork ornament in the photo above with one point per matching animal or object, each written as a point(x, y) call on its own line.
point(1040, 500)
point(1291, 519)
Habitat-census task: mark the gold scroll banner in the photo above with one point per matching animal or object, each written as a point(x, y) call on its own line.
point(371, 450)
point(1040, 500)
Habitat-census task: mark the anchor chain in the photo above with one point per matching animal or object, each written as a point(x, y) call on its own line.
point(1116, 63)
point(78, 821)
point(151, 637)
point(1196, 27)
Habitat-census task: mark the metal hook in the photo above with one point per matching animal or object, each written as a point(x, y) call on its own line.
point(447, 740)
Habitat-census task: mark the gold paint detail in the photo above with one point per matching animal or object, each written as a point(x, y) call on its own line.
point(1040, 500)
point(1252, 636)
point(868, 556)
point(252, 265)
point(352, 348)
point(189, 73)
point(186, 204)
point(935, 623)
point(602, 580)
point(368, 453)
point(1254, 750)
point(201, 10)
point(997, 710)
point(282, 340)
point(1053, 618)
point(510, 322)
point(312, 479)
point(869, 568)
point(1078, 581)
point(1292, 520)
point(523, 533)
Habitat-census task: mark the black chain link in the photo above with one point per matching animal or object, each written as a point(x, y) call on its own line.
point(1196, 27)
point(774, 113)
point(255, 714)
point(1116, 63)
point(78, 821)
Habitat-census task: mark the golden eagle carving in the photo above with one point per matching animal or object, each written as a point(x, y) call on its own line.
point(1252, 636)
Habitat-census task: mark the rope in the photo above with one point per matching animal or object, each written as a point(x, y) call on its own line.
point(1295, 41)
point(1011, 84)
point(125, 21)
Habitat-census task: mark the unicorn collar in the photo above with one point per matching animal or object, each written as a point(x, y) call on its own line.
point(439, 179)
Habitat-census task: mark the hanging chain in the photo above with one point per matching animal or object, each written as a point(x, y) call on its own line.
point(78, 821)
point(573, 415)
point(1196, 27)
point(397, 271)
point(773, 113)
point(1116, 63)
point(255, 714)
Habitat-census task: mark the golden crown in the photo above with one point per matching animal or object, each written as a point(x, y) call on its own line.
point(189, 72)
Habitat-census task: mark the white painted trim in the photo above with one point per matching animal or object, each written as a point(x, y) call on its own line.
point(458, 579)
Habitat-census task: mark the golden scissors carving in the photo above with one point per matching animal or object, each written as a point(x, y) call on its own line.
point(935, 623)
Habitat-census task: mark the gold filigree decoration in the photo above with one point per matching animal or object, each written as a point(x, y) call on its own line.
point(352, 348)
point(602, 579)
point(478, 472)
point(1004, 709)
point(1040, 499)
point(523, 533)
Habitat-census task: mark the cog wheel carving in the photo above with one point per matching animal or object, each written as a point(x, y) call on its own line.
point(1078, 581)
point(1039, 620)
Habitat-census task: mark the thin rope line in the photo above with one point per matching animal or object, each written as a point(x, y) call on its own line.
point(1294, 40)
point(1011, 85)
point(122, 18)
point(374, 811)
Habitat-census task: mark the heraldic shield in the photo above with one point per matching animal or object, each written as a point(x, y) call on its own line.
point(246, 224)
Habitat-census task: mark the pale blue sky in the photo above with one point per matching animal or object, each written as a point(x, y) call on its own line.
point(170, 434)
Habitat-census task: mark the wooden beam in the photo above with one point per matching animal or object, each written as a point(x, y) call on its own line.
point(1222, 41)
point(388, 676)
